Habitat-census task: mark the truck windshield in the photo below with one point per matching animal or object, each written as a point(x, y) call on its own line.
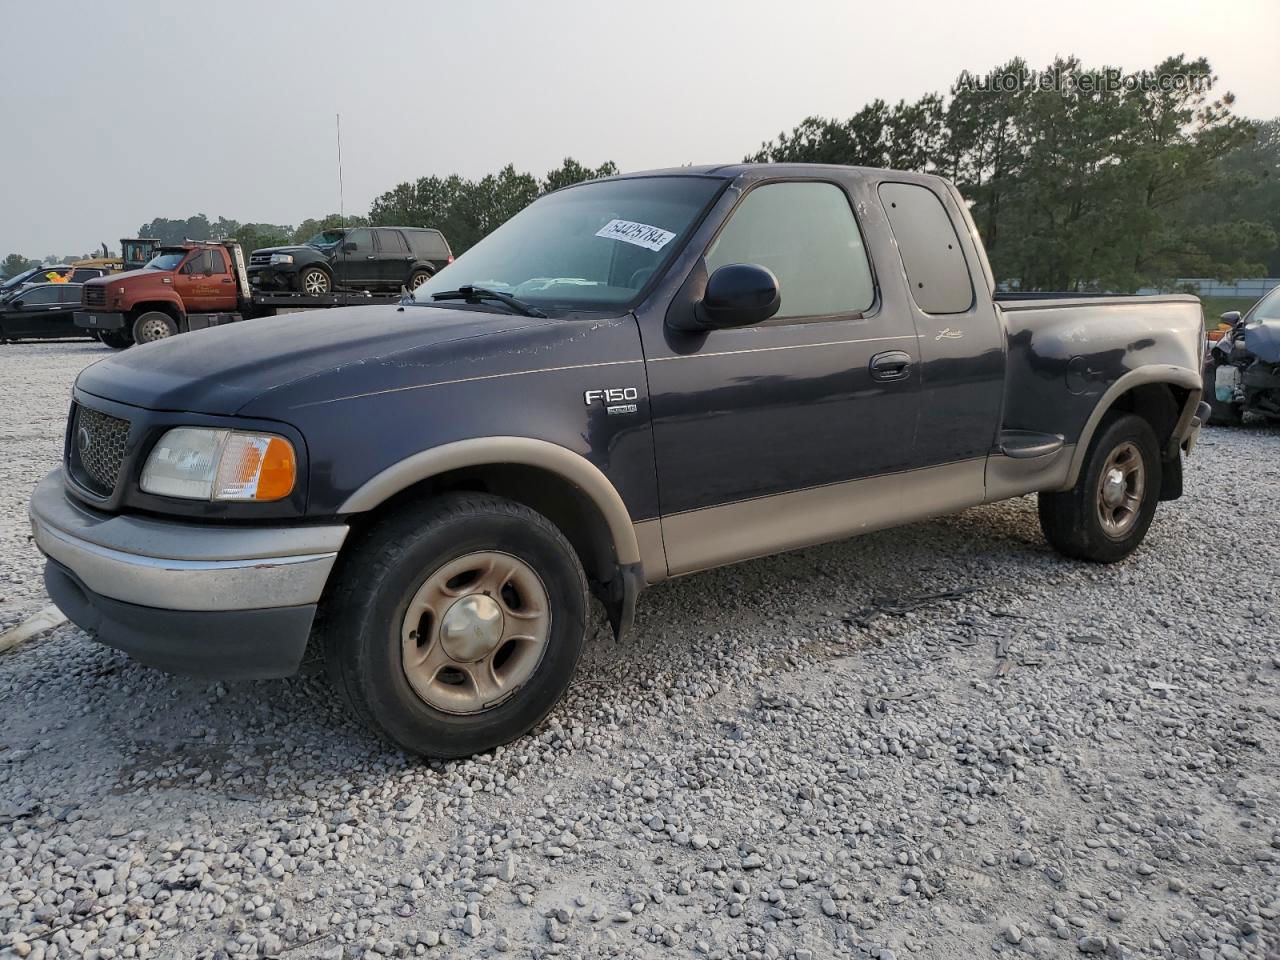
point(166, 261)
point(593, 246)
point(326, 239)
point(1268, 307)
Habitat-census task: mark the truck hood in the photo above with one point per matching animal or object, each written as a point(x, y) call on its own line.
point(220, 370)
point(141, 274)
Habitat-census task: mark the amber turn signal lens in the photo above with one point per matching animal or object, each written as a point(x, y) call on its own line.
point(278, 471)
point(255, 467)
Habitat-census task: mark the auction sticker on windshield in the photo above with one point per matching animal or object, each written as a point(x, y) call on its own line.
point(641, 234)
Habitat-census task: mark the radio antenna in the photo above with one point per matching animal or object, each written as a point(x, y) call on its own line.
point(342, 214)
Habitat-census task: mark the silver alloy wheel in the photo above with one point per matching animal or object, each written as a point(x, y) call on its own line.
point(315, 282)
point(153, 328)
point(1120, 490)
point(475, 632)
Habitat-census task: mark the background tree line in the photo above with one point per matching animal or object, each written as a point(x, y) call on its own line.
point(1072, 188)
point(1076, 188)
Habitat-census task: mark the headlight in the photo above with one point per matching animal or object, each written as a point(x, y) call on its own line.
point(281, 258)
point(198, 463)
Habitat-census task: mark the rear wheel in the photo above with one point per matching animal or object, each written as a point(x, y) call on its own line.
point(314, 281)
point(418, 278)
point(1106, 515)
point(115, 339)
point(456, 625)
point(154, 325)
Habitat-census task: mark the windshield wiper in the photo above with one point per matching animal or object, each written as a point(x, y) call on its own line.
point(476, 294)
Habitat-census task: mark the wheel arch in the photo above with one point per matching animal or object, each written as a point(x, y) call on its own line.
point(561, 485)
point(170, 305)
point(1165, 396)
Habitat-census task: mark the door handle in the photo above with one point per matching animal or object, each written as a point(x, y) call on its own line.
point(227, 280)
point(372, 256)
point(891, 365)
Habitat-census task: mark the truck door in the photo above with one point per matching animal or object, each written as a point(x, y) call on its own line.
point(394, 258)
point(961, 338)
point(222, 282)
point(747, 419)
point(356, 264)
point(194, 284)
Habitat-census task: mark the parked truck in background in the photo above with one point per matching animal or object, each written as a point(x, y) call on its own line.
point(633, 379)
point(184, 287)
point(356, 258)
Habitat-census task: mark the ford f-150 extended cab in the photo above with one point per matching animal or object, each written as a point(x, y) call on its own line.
point(635, 378)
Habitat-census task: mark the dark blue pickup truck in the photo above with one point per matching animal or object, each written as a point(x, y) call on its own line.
point(636, 378)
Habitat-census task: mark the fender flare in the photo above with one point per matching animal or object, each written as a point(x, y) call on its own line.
point(1189, 380)
point(172, 300)
point(485, 451)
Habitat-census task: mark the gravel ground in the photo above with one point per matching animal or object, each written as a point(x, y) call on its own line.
point(795, 758)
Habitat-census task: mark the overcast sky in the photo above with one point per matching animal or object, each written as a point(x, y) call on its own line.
point(122, 111)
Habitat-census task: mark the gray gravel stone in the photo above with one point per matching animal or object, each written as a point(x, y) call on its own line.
point(755, 776)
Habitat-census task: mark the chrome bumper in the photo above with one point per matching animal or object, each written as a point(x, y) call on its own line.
point(183, 566)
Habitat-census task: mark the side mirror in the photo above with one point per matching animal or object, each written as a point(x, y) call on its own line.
point(349, 248)
point(16, 305)
point(1231, 316)
point(738, 295)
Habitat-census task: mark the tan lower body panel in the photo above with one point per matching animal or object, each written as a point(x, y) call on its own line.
point(711, 537)
point(653, 557)
point(1010, 477)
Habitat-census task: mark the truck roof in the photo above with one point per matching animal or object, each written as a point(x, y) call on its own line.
point(763, 171)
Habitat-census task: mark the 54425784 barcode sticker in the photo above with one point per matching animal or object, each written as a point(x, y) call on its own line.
point(641, 234)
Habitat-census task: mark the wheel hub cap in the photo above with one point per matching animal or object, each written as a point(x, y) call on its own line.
point(1113, 488)
point(472, 629)
point(475, 631)
point(1121, 489)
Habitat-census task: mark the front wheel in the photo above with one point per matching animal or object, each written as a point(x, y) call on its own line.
point(456, 625)
point(314, 281)
point(152, 326)
point(115, 339)
point(1105, 516)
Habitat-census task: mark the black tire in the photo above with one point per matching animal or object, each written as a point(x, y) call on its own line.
point(154, 325)
point(418, 278)
point(115, 339)
point(314, 281)
point(380, 575)
point(1072, 521)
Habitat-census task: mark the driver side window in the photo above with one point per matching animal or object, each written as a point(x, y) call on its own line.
point(198, 264)
point(805, 233)
point(359, 241)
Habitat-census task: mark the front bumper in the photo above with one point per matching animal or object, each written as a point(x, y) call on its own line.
point(273, 278)
point(205, 599)
point(99, 319)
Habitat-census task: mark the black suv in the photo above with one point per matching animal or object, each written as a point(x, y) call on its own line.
point(362, 258)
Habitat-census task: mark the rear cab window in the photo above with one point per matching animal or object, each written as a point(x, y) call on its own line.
point(930, 248)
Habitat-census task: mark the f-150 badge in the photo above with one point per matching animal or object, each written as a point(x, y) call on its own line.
point(615, 399)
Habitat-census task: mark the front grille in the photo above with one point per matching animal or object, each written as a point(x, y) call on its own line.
point(259, 259)
point(97, 448)
point(93, 295)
